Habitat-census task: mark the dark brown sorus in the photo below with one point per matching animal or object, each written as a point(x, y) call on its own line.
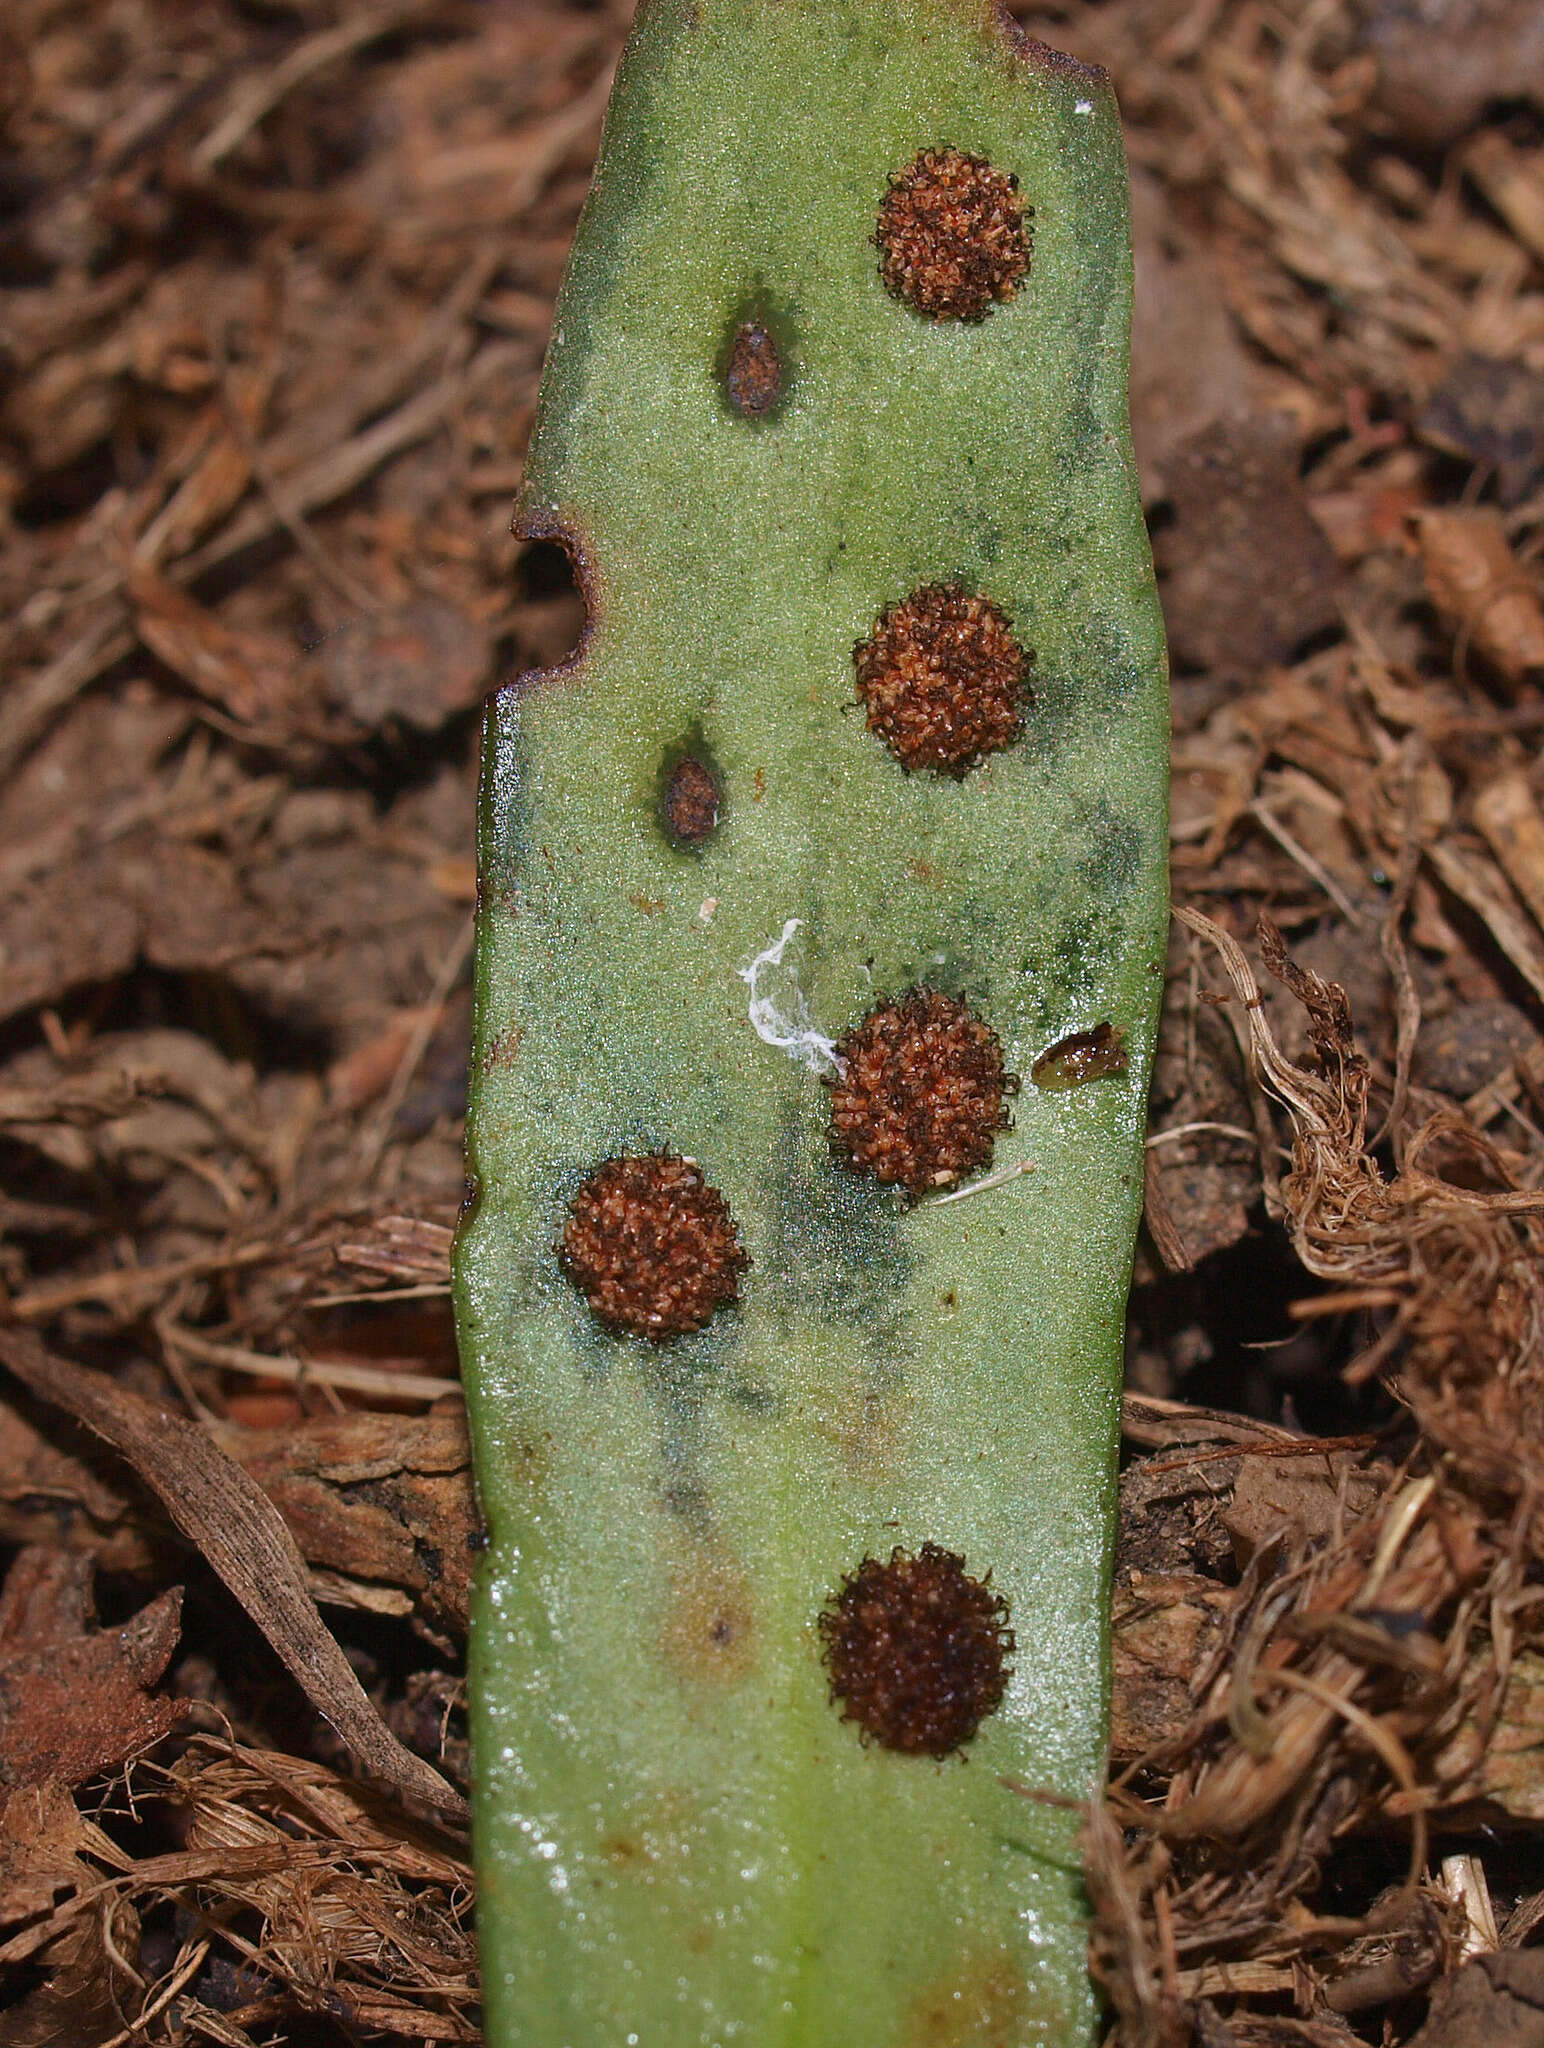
point(942, 678)
point(952, 235)
point(917, 1650)
point(753, 376)
point(691, 802)
point(1081, 1056)
point(651, 1247)
point(919, 1099)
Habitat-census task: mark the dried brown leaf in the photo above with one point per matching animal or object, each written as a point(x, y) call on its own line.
point(41, 1839)
point(1497, 2000)
point(75, 1699)
point(1482, 591)
point(1250, 574)
point(231, 1521)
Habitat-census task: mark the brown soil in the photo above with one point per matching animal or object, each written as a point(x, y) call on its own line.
point(277, 281)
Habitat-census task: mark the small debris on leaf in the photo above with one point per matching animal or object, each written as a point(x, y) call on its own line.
point(1081, 1056)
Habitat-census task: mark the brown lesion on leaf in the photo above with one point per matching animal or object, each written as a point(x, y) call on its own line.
point(984, 2002)
point(942, 678)
point(1030, 50)
point(920, 1096)
point(871, 1425)
point(917, 1650)
point(753, 371)
point(710, 1625)
point(502, 1049)
point(953, 235)
point(651, 1247)
point(1081, 1056)
point(692, 802)
point(625, 1851)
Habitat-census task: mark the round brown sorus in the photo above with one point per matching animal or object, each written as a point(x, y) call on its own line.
point(691, 802)
point(919, 1099)
point(753, 376)
point(953, 235)
point(942, 679)
point(917, 1650)
point(651, 1247)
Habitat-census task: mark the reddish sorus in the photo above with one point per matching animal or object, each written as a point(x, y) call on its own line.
point(917, 1650)
point(691, 802)
point(943, 679)
point(918, 1100)
point(651, 1247)
point(953, 237)
point(753, 375)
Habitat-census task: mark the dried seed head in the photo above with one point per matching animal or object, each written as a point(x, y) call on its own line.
point(1081, 1056)
point(753, 376)
point(691, 802)
point(917, 1650)
point(942, 679)
point(919, 1100)
point(651, 1247)
point(952, 235)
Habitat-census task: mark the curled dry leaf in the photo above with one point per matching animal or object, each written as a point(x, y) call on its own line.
point(1482, 591)
point(1506, 813)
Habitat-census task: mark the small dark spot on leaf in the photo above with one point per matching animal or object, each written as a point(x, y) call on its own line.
point(1081, 1056)
point(953, 235)
point(691, 802)
point(917, 1650)
point(624, 1851)
point(753, 375)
